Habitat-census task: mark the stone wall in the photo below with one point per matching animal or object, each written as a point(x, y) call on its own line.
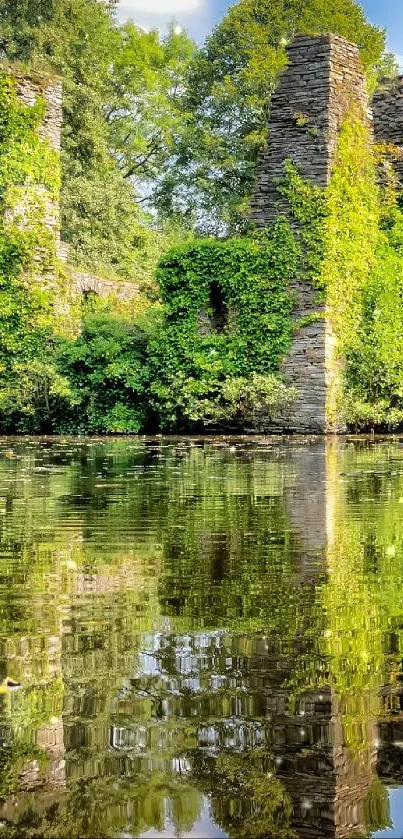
point(323, 80)
point(84, 282)
point(387, 107)
point(29, 91)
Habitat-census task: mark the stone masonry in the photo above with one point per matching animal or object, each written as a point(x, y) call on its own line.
point(85, 282)
point(29, 91)
point(322, 82)
point(387, 107)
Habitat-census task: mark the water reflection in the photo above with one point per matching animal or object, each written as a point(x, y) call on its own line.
point(201, 638)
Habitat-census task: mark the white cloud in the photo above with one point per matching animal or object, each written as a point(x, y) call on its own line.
point(160, 7)
point(194, 15)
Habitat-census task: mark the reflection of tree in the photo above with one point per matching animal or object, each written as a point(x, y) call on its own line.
point(15, 757)
point(169, 625)
point(376, 807)
point(247, 799)
point(362, 598)
point(95, 808)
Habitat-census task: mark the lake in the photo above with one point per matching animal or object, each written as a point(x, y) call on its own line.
point(201, 637)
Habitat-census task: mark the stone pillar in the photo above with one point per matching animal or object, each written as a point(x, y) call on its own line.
point(387, 107)
point(51, 91)
point(29, 90)
point(322, 82)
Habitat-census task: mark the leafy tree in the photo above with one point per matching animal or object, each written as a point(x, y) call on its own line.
point(102, 219)
point(147, 111)
point(230, 85)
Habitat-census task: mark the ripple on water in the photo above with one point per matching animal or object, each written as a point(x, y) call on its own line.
point(201, 638)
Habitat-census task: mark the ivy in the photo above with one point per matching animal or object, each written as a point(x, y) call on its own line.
point(26, 160)
point(31, 286)
point(202, 374)
point(351, 229)
point(309, 211)
point(351, 239)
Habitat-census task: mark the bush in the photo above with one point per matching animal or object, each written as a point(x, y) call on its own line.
point(106, 368)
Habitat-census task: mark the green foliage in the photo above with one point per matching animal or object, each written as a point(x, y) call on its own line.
point(147, 112)
point(266, 806)
point(14, 759)
point(204, 371)
point(30, 286)
point(308, 206)
point(374, 370)
point(351, 229)
point(133, 121)
point(105, 369)
point(74, 38)
point(110, 75)
point(216, 574)
point(172, 366)
point(351, 239)
point(362, 596)
point(362, 271)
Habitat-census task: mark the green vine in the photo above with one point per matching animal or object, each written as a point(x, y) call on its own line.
point(351, 239)
point(31, 284)
point(308, 208)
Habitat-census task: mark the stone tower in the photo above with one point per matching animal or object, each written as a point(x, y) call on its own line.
point(324, 79)
point(29, 90)
point(387, 107)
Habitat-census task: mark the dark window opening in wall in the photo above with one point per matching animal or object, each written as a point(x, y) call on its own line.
point(219, 308)
point(89, 301)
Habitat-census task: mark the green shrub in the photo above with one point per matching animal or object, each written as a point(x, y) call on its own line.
point(106, 368)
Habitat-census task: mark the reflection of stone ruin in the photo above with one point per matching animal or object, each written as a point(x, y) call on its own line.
point(193, 676)
point(135, 701)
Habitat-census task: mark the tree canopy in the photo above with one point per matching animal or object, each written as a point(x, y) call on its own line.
point(120, 88)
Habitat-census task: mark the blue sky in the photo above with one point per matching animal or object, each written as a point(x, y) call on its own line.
point(199, 16)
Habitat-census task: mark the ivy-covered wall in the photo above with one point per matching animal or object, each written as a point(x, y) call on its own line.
point(34, 305)
point(318, 205)
point(227, 326)
point(323, 81)
point(294, 327)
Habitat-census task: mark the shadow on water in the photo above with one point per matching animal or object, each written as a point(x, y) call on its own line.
point(201, 638)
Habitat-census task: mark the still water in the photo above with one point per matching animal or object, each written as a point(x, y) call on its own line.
point(201, 638)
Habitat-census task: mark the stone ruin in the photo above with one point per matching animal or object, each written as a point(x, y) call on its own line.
point(323, 80)
point(29, 91)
